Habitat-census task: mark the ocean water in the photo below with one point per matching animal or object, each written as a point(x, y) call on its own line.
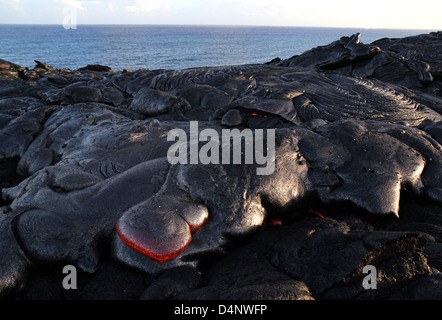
point(152, 47)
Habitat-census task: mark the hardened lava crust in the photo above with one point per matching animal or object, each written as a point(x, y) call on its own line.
point(355, 178)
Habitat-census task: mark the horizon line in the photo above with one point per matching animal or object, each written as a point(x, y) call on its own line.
point(213, 25)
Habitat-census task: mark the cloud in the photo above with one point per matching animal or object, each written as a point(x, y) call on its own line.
point(143, 6)
point(14, 5)
point(339, 13)
point(75, 4)
point(112, 8)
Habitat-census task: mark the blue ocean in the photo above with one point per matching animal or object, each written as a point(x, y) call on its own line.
point(134, 47)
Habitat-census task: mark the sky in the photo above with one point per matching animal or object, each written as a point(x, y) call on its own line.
point(391, 14)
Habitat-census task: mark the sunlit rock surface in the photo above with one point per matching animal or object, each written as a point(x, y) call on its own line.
point(357, 177)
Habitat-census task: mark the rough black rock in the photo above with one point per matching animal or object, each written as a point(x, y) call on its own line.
point(357, 178)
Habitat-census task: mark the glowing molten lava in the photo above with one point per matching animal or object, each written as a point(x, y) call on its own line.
point(316, 212)
point(276, 223)
point(259, 115)
point(150, 233)
point(159, 256)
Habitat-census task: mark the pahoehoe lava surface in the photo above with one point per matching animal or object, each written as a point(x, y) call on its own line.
point(85, 178)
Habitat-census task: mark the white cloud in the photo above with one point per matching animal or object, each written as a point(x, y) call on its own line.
point(112, 8)
point(76, 4)
point(140, 6)
point(14, 5)
point(336, 13)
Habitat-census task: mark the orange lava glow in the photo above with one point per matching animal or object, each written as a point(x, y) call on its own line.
point(160, 257)
point(276, 223)
point(259, 115)
point(316, 212)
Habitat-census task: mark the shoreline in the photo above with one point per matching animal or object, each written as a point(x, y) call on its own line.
point(146, 43)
